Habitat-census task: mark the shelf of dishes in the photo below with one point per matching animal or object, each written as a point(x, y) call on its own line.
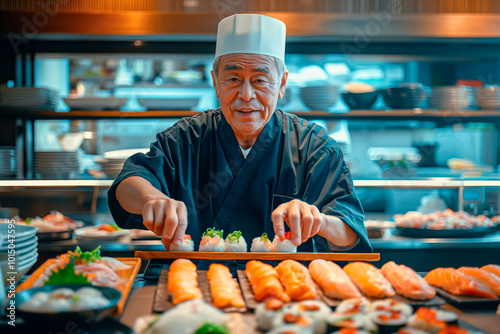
point(452, 116)
point(436, 182)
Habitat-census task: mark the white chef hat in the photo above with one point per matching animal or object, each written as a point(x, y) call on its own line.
point(251, 33)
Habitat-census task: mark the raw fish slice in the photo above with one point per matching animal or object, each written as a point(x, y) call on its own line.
point(296, 280)
point(333, 280)
point(225, 291)
point(407, 282)
point(483, 277)
point(264, 281)
point(369, 280)
point(183, 281)
point(457, 283)
point(492, 268)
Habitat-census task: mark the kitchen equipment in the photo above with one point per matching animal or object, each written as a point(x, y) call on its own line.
point(409, 97)
point(488, 97)
point(319, 97)
point(9, 162)
point(56, 164)
point(360, 100)
point(28, 98)
point(95, 103)
point(452, 97)
point(427, 152)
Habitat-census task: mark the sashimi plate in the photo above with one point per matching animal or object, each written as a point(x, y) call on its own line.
point(475, 232)
point(467, 301)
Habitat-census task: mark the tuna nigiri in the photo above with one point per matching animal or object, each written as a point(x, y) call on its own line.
point(492, 268)
point(296, 279)
point(407, 282)
point(483, 277)
point(183, 281)
point(333, 280)
point(225, 291)
point(264, 281)
point(457, 283)
point(369, 280)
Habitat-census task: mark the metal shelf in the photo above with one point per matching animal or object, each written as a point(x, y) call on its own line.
point(55, 183)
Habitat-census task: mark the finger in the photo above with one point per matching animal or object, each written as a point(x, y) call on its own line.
point(170, 225)
point(318, 221)
point(307, 221)
point(148, 216)
point(159, 217)
point(294, 222)
point(278, 220)
point(182, 225)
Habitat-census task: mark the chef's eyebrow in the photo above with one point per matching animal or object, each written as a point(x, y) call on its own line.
point(237, 68)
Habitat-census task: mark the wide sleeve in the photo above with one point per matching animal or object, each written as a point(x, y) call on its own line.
point(329, 186)
point(154, 166)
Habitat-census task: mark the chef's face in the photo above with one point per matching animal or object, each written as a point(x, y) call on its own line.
point(248, 87)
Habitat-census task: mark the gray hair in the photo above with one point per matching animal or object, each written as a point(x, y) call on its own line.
point(279, 64)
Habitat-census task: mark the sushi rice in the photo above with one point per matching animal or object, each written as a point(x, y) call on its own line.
point(187, 245)
point(261, 244)
point(212, 241)
point(284, 244)
point(235, 243)
point(266, 312)
point(301, 322)
point(317, 311)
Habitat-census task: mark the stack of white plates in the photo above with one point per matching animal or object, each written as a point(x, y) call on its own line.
point(452, 97)
point(488, 97)
point(168, 104)
point(95, 103)
point(28, 98)
point(56, 164)
point(8, 162)
point(320, 97)
point(23, 247)
point(112, 161)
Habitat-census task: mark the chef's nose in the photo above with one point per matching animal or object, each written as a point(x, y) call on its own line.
point(247, 91)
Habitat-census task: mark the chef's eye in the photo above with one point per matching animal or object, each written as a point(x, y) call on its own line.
point(234, 79)
point(260, 81)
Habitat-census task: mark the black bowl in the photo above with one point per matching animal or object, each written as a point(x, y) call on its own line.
point(360, 100)
point(63, 318)
point(404, 97)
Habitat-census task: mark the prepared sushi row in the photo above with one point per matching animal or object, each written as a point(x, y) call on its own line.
point(213, 241)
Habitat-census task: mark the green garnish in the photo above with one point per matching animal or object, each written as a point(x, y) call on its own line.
point(234, 237)
point(264, 237)
point(67, 275)
point(75, 297)
point(86, 257)
point(211, 328)
point(210, 232)
point(27, 221)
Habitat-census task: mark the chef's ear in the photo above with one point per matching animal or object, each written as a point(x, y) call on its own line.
point(214, 80)
point(284, 78)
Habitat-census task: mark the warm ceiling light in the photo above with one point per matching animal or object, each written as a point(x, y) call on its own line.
point(138, 43)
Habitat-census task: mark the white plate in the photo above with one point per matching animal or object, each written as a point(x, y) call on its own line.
point(124, 154)
point(91, 233)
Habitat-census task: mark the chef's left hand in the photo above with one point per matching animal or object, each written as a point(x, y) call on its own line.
point(304, 220)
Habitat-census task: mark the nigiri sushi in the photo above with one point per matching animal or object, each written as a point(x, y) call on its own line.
point(484, 277)
point(296, 279)
point(225, 291)
point(333, 280)
point(261, 244)
point(264, 281)
point(212, 241)
point(187, 245)
point(407, 282)
point(183, 281)
point(492, 268)
point(235, 242)
point(369, 280)
point(457, 283)
point(284, 244)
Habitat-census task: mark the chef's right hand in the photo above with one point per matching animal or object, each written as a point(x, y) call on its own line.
point(167, 218)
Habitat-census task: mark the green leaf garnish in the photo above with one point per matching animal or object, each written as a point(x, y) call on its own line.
point(210, 232)
point(85, 257)
point(211, 328)
point(235, 236)
point(27, 221)
point(264, 237)
point(67, 275)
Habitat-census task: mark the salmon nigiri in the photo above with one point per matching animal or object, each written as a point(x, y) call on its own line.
point(407, 282)
point(457, 283)
point(484, 277)
point(296, 279)
point(264, 281)
point(225, 291)
point(333, 280)
point(183, 281)
point(369, 280)
point(492, 268)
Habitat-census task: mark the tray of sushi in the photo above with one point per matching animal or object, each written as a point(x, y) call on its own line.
point(467, 286)
point(87, 268)
point(213, 246)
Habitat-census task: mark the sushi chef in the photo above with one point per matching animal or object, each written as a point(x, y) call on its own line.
point(246, 166)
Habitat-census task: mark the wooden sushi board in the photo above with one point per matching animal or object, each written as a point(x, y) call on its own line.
point(163, 298)
point(149, 255)
point(128, 275)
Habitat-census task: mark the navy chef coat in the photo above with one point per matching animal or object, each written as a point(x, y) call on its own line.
point(198, 161)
